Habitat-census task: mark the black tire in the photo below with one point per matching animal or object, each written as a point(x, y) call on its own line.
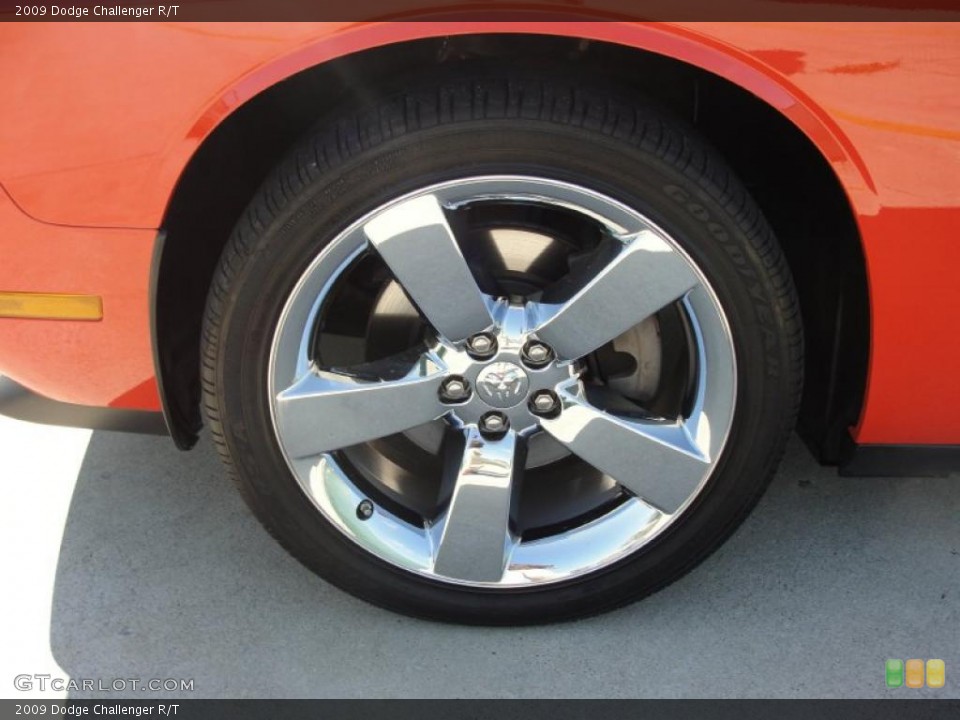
point(496, 121)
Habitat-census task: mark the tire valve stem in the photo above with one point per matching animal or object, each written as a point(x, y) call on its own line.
point(365, 510)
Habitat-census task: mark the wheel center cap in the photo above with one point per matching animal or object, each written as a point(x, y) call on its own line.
point(502, 384)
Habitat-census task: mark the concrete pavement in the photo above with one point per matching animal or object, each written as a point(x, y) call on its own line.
point(124, 558)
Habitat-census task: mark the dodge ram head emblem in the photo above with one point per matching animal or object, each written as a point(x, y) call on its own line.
point(502, 384)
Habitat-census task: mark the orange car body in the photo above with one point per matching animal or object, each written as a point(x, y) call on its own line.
point(99, 121)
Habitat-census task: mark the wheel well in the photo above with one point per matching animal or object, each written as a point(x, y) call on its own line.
point(793, 184)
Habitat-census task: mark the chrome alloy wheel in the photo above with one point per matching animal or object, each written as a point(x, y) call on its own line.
point(510, 384)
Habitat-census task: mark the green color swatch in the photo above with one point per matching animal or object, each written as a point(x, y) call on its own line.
point(894, 673)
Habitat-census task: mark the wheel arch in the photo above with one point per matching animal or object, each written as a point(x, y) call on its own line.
point(243, 133)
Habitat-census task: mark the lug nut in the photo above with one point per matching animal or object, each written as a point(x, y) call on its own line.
point(482, 346)
point(494, 423)
point(544, 403)
point(454, 389)
point(536, 354)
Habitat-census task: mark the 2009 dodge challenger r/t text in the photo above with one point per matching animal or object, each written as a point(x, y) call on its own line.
point(490, 322)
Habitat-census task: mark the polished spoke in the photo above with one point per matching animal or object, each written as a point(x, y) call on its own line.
point(416, 242)
point(473, 540)
point(654, 459)
point(646, 275)
point(326, 411)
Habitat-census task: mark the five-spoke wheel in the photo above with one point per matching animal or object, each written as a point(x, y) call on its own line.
point(495, 371)
point(501, 349)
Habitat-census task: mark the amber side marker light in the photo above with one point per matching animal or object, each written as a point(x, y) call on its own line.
point(50, 306)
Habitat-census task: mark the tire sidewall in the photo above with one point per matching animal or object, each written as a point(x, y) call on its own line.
point(695, 213)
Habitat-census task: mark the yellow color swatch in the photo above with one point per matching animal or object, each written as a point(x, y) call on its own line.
point(936, 673)
point(914, 673)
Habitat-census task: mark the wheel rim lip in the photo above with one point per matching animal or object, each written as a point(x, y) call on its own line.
point(409, 548)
